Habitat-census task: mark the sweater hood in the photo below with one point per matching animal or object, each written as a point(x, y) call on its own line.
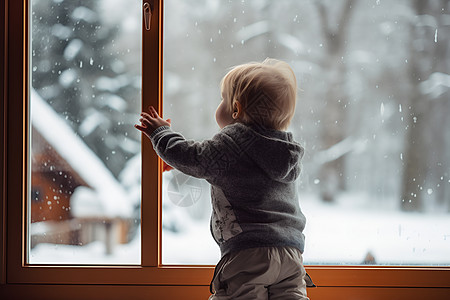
point(275, 152)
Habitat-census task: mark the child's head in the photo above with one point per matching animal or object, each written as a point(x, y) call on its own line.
point(260, 93)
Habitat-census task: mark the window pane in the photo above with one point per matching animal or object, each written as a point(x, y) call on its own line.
point(85, 87)
point(372, 114)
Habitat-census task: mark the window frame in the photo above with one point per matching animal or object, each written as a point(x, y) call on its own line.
point(15, 273)
point(150, 271)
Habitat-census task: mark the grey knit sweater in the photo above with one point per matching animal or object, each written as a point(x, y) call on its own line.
point(252, 173)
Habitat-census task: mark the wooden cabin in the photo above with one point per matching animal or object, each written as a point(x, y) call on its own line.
point(53, 182)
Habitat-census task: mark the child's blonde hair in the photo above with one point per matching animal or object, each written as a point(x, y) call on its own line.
point(266, 91)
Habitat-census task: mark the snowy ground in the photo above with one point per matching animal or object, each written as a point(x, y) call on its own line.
point(340, 234)
point(90, 254)
point(344, 234)
point(337, 234)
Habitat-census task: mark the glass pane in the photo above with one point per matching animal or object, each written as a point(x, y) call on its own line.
point(372, 114)
point(85, 87)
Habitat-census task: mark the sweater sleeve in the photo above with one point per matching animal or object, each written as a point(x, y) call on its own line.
point(207, 159)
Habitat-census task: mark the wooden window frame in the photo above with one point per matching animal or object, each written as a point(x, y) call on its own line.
point(151, 279)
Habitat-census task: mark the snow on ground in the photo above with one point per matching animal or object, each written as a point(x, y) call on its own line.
point(338, 234)
point(196, 247)
point(90, 254)
point(341, 233)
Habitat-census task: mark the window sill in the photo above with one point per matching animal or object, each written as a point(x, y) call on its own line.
point(137, 292)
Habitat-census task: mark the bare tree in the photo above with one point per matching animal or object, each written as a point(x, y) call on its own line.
point(426, 168)
point(335, 33)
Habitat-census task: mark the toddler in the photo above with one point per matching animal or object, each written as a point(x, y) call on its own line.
point(252, 165)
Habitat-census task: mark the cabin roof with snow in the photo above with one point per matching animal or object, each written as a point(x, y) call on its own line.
point(106, 197)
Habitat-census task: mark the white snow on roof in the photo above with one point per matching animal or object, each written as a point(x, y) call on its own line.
point(110, 198)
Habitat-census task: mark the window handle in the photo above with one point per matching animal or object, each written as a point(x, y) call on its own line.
point(148, 10)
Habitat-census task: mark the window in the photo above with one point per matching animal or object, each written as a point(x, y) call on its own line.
point(370, 190)
point(47, 107)
point(157, 274)
point(85, 82)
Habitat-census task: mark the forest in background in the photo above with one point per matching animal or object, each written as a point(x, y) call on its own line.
point(373, 77)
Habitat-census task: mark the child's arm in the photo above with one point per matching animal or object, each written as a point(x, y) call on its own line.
point(205, 159)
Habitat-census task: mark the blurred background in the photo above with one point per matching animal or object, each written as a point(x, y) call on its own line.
point(85, 97)
point(372, 114)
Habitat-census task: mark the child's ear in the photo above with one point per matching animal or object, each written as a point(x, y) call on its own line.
point(237, 110)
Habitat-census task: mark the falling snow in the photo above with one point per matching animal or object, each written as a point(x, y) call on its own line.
point(93, 82)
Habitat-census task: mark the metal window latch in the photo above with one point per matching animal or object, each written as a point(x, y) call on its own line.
point(148, 10)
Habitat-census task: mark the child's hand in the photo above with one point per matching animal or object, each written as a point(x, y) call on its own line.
point(150, 121)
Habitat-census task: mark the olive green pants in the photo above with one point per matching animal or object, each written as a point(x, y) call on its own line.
point(260, 273)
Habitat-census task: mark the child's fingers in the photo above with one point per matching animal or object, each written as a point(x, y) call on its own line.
point(147, 116)
point(145, 121)
point(148, 119)
point(139, 127)
point(153, 112)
